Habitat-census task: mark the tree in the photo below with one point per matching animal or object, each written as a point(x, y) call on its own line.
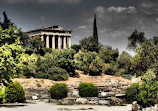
point(135, 39)
point(76, 47)
point(96, 67)
point(108, 55)
point(89, 44)
point(124, 61)
point(6, 23)
point(95, 32)
point(10, 53)
point(36, 43)
point(9, 36)
point(145, 58)
point(83, 60)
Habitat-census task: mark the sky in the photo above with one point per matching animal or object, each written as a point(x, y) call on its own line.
point(116, 19)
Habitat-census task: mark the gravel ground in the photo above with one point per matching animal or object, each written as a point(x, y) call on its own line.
point(41, 106)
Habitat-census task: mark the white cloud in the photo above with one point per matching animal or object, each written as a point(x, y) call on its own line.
point(129, 9)
point(156, 20)
point(41, 1)
point(82, 27)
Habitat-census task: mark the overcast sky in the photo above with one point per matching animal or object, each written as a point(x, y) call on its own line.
point(116, 19)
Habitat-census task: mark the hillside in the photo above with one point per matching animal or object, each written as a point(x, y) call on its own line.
point(103, 80)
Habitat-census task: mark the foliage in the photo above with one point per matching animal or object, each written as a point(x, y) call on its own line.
point(6, 23)
point(87, 90)
point(110, 69)
point(36, 43)
point(9, 36)
point(108, 55)
point(2, 94)
point(96, 67)
point(54, 73)
point(15, 93)
point(9, 61)
point(76, 47)
point(132, 92)
point(147, 93)
point(127, 76)
point(59, 91)
point(95, 31)
point(56, 65)
point(47, 50)
point(146, 58)
point(135, 39)
point(90, 44)
point(83, 60)
point(29, 65)
point(123, 60)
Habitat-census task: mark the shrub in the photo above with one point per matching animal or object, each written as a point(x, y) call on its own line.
point(83, 60)
point(87, 90)
point(14, 93)
point(108, 55)
point(76, 47)
point(54, 73)
point(58, 91)
point(2, 94)
point(148, 91)
point(96, 67)
point(131, 93)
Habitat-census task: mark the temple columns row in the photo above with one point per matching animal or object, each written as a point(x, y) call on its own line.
point(59, 42)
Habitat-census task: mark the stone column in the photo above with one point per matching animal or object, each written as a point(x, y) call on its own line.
point(69, 42)
point(65, 43)
point(53, 41)
point(42, 38)
point(47, 41)
point(59, 45)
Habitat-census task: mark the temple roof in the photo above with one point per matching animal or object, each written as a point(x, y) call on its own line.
point(55, 28)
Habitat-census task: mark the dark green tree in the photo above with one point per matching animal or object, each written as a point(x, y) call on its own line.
point(108, 54)
point(36, 43)
point(95, 31)
point(89, 44)
point(6, 23)
point(136, 39)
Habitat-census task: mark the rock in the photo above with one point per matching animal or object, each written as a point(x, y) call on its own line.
point(81, 100)
point(104, 102)
point(150, 109)
point(35, 97)
point(106, 94)
point(134, 106)
point(92, 100)
point(75, 93)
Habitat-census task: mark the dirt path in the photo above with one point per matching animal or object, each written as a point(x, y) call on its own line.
point(41, 106)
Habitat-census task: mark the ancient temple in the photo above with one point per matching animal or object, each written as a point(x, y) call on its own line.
point(54, 37)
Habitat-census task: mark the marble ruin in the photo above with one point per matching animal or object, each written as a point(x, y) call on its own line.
point(54, 37)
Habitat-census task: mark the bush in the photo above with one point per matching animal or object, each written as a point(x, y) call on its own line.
point(76, 47)
point(96, 67)
point(88, 90)
point(54, 73)
point(131, 93)
point(58, 91)
point(108, 55)
point(15, 93)
point(57, 74)
point(2, 94)
point(148, 93)
point(83, 60)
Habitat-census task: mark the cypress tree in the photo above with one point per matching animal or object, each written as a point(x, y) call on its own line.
point(95, 31)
